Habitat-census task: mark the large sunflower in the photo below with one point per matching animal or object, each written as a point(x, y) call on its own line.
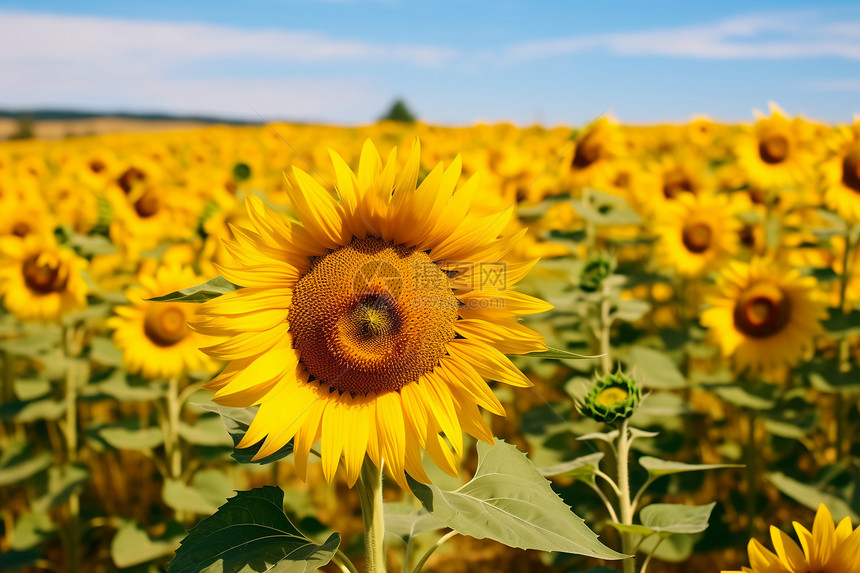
point(765, 315)
point(842, 182)
point(773, 153)
point(154, 336)
point(40, 280)
point(371, 325)
point(696, 234)
point(828, 548)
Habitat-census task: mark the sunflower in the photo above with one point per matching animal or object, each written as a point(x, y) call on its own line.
point(590, 159)
point(372, 323)
point(765, 315)
point(842, 182)
point(154, 336)
point(696, 234)
point(773, 153)
point(828, 548)
point(40, 280)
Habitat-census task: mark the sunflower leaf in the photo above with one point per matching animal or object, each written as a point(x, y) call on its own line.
point(251, 532)
point(812, 497)
point(676, 517)
point(212, 288)
point(558, 354)
point(657, 467)
point(237, 421)
point(509, 501)
point(582, 467)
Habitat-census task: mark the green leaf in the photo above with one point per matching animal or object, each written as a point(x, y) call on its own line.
point(634, 528)
point(812, 497)
point(510, 502)
point(212, 288)
point(840, 325)
point(63, 481)
point(251, 533)
point(206, 431)
point(734, 394)
point(208, 490)
point(631, 310)
point(17, 463)
point(104, 351)
point(31, 529)
point(125, 438)
point(132, 545)
point(657, 467)
point(32, 410)
point(676, 548)
point(237, 421)
point(558, 354)
point(582, 468)
point(27, 389)
point(653, 369)
point(676, 518)
point(125, 388)
point(405, 521)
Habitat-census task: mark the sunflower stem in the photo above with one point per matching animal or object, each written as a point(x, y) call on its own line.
point(844, 356)
point(432, 550)
point(174, 454)
point(752, 455)
point(342, 561)
point(605, 327)
point(625, 506)
point(370, 494)
point(73, 505)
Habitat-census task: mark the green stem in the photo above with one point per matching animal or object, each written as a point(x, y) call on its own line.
point(844, 356)
point(625, 506)
point(73, 505)
point(752, 455)
point(172, 446)
point(370, 494)
point(605, 328)
point(432, 550)
point(342, 561)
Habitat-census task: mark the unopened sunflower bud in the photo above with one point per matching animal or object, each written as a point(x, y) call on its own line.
point(597, 268)
point(612, 399)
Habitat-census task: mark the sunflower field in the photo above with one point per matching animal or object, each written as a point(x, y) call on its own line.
point(406, 347)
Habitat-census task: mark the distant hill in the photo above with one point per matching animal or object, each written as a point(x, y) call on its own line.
point(70, 114)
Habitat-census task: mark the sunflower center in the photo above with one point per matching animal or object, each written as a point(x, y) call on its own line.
point(97, 166)
point(611, 396)
point(372, 317)
point(851, 171)
point(676, 182)
point(762, 310)
point(44, 274)
point(164, 325)
point(697, 237)
point(129, 177)
point(588, 151)
point(773, 149)
point(21, 229)
point(147, 205)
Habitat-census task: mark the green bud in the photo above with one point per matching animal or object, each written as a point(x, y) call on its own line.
point(597, 268)
point(612, 399)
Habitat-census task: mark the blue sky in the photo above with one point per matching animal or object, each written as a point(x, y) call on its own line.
point(344, 61)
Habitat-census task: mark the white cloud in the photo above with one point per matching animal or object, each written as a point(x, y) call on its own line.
point(57, 60)
point(778, 35)
point(836, 85)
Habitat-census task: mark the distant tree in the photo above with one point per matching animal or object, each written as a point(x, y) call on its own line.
point(23, 128)
point(399, 112)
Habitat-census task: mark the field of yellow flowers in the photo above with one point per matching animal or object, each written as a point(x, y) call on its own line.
point(681, 304)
